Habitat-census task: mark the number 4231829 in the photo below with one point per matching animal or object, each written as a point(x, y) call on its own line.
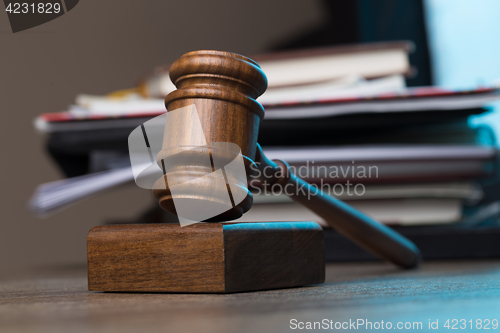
point(479, 324)
point(40, 8)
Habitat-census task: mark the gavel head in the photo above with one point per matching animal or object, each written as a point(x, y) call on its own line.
point(210, 136)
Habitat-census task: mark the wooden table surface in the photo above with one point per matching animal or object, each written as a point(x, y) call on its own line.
point(58, 301)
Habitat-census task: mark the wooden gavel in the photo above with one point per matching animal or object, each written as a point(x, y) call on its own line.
point(224, 87)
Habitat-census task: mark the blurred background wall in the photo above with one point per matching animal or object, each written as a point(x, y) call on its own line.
point(98, 47)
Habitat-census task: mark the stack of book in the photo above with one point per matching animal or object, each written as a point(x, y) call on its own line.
point(344, 120)
point(400, 166)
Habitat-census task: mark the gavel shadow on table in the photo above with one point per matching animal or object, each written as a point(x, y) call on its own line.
point(226, 257)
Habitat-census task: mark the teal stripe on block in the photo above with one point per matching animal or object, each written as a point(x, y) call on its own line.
point(273, 226)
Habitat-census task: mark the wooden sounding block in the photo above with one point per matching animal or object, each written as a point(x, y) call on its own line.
point(205, 257)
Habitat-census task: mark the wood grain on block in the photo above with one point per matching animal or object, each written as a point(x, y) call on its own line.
point(205, 257)
point(162, 257)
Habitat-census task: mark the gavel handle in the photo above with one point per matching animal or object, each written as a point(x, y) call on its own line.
point(373, 236)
